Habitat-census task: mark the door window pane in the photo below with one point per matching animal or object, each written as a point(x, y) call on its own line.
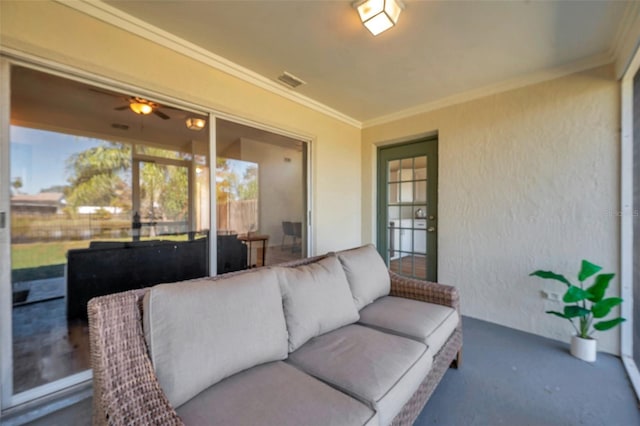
point(394, 193)
point(406, 169)
point(394, 171)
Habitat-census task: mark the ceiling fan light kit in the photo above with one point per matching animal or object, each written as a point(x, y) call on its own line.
point(195, 123)
point(141, 108)
point(379, 15)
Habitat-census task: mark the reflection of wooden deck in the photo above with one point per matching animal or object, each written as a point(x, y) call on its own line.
point(410, 266)
point(46, 347)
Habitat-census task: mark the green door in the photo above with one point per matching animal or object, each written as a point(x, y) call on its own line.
point(408, 208)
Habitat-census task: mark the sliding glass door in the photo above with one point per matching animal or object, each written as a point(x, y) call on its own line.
point(261, 197)
point(101, 200)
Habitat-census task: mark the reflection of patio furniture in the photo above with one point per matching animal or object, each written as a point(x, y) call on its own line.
point(287, 231)
point(293, 230)
point(231, 253)
point(110, 267)
point(249, 239)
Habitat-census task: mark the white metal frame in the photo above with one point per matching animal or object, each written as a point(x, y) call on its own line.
point(9, 57)
point(626, 221)
point(6, 359)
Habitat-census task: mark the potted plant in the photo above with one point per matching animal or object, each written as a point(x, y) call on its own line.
point(586, 305)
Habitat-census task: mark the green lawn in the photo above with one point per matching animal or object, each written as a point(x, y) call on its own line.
point(32, 261)
point(33, 255)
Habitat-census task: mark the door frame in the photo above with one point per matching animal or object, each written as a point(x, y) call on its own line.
point(380, 225)
point(6, 357)
point(627, 214)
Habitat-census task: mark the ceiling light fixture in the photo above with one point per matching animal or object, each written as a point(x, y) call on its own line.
point(195, 123)
point(141, 108)
point(379, 15)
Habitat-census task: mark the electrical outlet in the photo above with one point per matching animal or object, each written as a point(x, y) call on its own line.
point(551, 295)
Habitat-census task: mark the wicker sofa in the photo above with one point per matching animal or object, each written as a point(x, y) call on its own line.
point(330, 340)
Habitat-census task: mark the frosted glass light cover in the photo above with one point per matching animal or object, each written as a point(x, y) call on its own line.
point(379, 15)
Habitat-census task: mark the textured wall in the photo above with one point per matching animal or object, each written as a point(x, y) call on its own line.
point(528, 180)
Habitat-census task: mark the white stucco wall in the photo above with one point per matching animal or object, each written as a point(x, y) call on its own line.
point(528, 179)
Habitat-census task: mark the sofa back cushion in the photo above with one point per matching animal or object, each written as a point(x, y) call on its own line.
point(367, 274)
point(199, 332)
point(316, 299)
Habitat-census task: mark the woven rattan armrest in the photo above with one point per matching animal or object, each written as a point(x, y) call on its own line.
point(424, 291)
point(125, 388)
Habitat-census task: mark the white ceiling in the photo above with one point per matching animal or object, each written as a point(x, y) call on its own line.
point(438, 50)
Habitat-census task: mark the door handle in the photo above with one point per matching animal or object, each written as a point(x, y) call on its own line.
point(431, 229)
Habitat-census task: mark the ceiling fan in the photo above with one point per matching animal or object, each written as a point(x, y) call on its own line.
point(143, 107)
point(137, 104)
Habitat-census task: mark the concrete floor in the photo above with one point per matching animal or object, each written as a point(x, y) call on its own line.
point(508, 378)
point(514, 378)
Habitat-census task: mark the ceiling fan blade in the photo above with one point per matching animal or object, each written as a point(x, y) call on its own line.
point(161, 114)
point(122, 108)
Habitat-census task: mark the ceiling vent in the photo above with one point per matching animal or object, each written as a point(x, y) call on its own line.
point(290, 80)
point(120, 126)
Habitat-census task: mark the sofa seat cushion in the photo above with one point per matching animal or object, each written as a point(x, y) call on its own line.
point(367, 274)
point(274, 394)
point(199, 332)
point(428, 323)
point(380, 369)
point(316, 299)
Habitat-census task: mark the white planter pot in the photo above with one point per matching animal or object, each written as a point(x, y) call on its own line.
point(584, 349)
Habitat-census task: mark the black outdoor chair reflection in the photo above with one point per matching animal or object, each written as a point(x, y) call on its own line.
point(294, 231)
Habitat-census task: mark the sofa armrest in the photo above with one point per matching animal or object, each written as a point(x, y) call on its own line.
point(424, 291)
point(125, 388)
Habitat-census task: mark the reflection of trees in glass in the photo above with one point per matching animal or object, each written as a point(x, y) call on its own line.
point(248, 188)
point(97, 176)
point(174, 198)
point(16, 184)
point(164, 192)
point(237, 194)
point(233, 186)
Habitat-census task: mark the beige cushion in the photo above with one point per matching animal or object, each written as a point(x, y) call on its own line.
point(274, 394)
point(426, 322)
point(316, 299)
point(367, 274)
point(380, 369)
point(199, 332)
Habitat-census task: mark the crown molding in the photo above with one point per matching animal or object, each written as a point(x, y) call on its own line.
point(624, 44)
point(626, 40)
point(492, 89)
point(124, 21)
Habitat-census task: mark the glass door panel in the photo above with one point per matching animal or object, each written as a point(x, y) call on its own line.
point(80, 190)
point(407, 228)
point(261, 197)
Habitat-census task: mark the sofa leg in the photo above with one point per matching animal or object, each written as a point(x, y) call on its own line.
point(457, 362)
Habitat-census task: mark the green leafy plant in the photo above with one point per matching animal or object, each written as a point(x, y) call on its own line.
point(586, 304)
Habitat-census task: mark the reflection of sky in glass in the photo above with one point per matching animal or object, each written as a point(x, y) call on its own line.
point(237, 167)
point(39, 157)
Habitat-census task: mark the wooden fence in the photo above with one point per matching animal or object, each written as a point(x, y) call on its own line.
point(238, 216)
